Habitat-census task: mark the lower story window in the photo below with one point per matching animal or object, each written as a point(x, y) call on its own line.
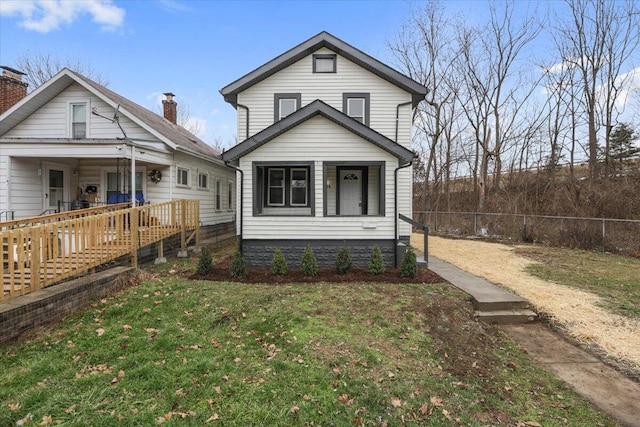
point(283, 189)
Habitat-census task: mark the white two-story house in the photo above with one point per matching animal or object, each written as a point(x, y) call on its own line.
point(325, 157)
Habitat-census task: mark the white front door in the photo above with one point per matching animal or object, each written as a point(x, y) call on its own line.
point(350, 192)
point(56, 186)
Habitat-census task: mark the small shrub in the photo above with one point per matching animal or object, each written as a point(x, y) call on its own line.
point(278, 263)
point(309, 262)
point(205, 263)
point(409, 264)
point(376, 263)
point(343, 259)
point(238, 265)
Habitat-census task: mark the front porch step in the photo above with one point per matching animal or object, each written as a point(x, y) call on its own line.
point(421, 262)
point(505, 302)
point(507, 317)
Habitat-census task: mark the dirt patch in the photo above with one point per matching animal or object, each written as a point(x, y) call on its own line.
point(220, 272)
point(575, 311)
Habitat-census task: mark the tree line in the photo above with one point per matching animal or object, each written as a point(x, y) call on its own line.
point(529, 89)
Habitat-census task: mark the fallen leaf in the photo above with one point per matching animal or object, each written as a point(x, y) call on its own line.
point(436, 401)
point(100, 331)
point(180, 392)
point(127, 327)
point(446, 414)
point(46, 420)
point(396, 402)
point(424, 408)
point(70, 409)
point(160, 420)
point(532, 424)
point(14, 406)
point(294, 409)
point(213, 417)
point(218, 389)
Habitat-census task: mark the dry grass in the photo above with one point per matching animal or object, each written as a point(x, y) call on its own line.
point(576, 311)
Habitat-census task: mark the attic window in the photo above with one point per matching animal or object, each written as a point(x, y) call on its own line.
point(79, 121)
point(324, 63)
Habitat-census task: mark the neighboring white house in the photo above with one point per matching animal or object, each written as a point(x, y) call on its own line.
point(61, 147)
point(326, 156)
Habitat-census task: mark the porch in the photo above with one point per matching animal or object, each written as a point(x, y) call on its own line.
point(41, 251)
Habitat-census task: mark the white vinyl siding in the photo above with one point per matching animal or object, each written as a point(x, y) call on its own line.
point(53, 120)
point(319, 140)
point(328, 87)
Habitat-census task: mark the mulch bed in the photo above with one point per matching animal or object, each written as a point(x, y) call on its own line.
point(220, 273)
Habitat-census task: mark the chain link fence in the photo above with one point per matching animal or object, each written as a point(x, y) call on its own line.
point(606, 234)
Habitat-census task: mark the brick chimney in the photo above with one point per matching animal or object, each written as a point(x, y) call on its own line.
point(170, 108)
point(12, 88)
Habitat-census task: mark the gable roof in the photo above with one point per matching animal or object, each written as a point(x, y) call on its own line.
point(313, 109)
point(176, 137)
point(324, 39)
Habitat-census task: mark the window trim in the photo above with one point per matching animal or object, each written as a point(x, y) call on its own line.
point(306, 193)
point(260, 184)
point(357, 95)
point(87, 106)
point(206, 186)
point(180, 184)
point(283, 187)
point(277, 97)
point(218, 194)
point(332, 56)
point(230, 191)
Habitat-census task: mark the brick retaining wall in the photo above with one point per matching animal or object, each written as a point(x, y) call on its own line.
point(51, 304)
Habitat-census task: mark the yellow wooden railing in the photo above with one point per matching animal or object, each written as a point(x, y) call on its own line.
point(37, 253)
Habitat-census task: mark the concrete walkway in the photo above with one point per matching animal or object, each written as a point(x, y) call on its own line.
point(606, 388)
point(494, 304)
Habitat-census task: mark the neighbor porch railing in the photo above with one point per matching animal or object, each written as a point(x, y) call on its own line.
point(39, 252)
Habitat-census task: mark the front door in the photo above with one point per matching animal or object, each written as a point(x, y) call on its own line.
point(350, 192)
point(56, 186)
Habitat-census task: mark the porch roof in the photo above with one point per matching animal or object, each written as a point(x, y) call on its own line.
point(313, 109)
point(324, 39)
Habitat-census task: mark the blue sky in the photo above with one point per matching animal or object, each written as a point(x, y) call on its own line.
point(191, 48)
point(194, 48)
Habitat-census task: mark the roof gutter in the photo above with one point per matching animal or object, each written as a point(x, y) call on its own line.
point(402, 104)
point(247, 125)
point(228, 164)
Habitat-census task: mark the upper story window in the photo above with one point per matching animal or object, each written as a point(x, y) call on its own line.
point(324, 63)
point(285, 104)
point(356, 105)
point(183, 177)
point(79, 121)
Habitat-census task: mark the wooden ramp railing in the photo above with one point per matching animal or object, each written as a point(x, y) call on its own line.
point(41, 251)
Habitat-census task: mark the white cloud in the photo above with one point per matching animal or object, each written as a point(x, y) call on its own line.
point(174, 6)
point(629, 84)
point(215, 112)
point(44, 16)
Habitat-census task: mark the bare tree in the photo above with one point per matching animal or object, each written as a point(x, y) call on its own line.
point(40, 67)
point(597, 38)
point(424, 50)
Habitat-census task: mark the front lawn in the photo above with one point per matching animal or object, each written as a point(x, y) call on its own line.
point(615, 278)
point(179, 352)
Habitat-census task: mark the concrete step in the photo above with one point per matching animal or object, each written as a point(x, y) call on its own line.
point(421, 262)
point(506, 302)
point(507, 317)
